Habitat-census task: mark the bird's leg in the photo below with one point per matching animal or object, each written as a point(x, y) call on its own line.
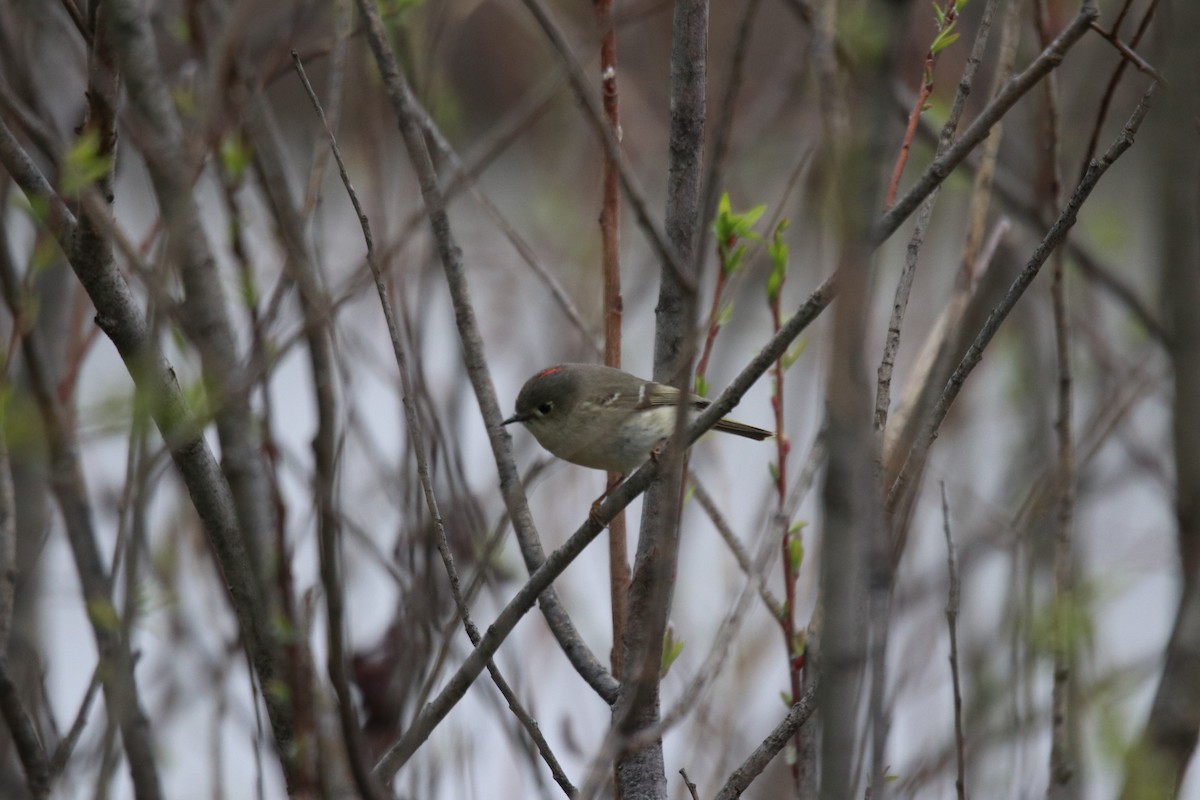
point(615, 479)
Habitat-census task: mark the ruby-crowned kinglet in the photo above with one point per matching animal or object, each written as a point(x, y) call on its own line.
point(603, 418)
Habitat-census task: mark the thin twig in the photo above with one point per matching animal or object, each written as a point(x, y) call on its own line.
point(1114, 80)
point(731, 540)
point(1128, 53)
point(691, 787)
point(952, 603)
point(757, 761)
point(945, 19)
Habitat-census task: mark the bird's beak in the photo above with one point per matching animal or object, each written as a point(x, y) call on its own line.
point(514, 418)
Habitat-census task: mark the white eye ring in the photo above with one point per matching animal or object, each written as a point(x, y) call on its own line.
point(545, 408)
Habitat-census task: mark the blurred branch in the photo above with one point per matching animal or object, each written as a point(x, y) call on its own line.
point(121, 320)
point(158, 132)
point(1066, 219)
point(319, 333)
point(24, 736)
point(122, 698)
point(952, 606)
point(1160, 756)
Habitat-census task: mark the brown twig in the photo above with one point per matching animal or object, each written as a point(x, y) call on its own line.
point(691, 787)
point(757, 761)
point(1061, 757)
point(1114, 80)
point(1128, 53)
point(789, 540)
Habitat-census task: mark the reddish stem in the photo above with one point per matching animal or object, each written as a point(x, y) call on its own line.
point(915, 114)
point(782, 449)
point(613, 308)
point(714, 321)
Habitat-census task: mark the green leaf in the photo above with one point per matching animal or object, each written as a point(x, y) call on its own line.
point(792, 355)
point(235, 156)
point(774, 471)
point(733, 260)
point(943, 41)
point(786, 697)
point(748, 218)
point(84, 164)
point(672, 647)
point(795, 552)
point(725, 315)
point(702, 385)
point(103, 615)
point(774, 284)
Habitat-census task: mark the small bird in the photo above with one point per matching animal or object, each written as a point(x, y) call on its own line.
point(604, 418)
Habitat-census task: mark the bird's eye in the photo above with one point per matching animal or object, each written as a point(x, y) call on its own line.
point(545, 408)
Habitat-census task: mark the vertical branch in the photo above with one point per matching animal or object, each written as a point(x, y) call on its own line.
point(641, 773)
point(610, 237)
point(1062, 770)
point(1168, 742)
point(789, 542)
point(952, 604)
point(315, 307)
point(121, 695)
